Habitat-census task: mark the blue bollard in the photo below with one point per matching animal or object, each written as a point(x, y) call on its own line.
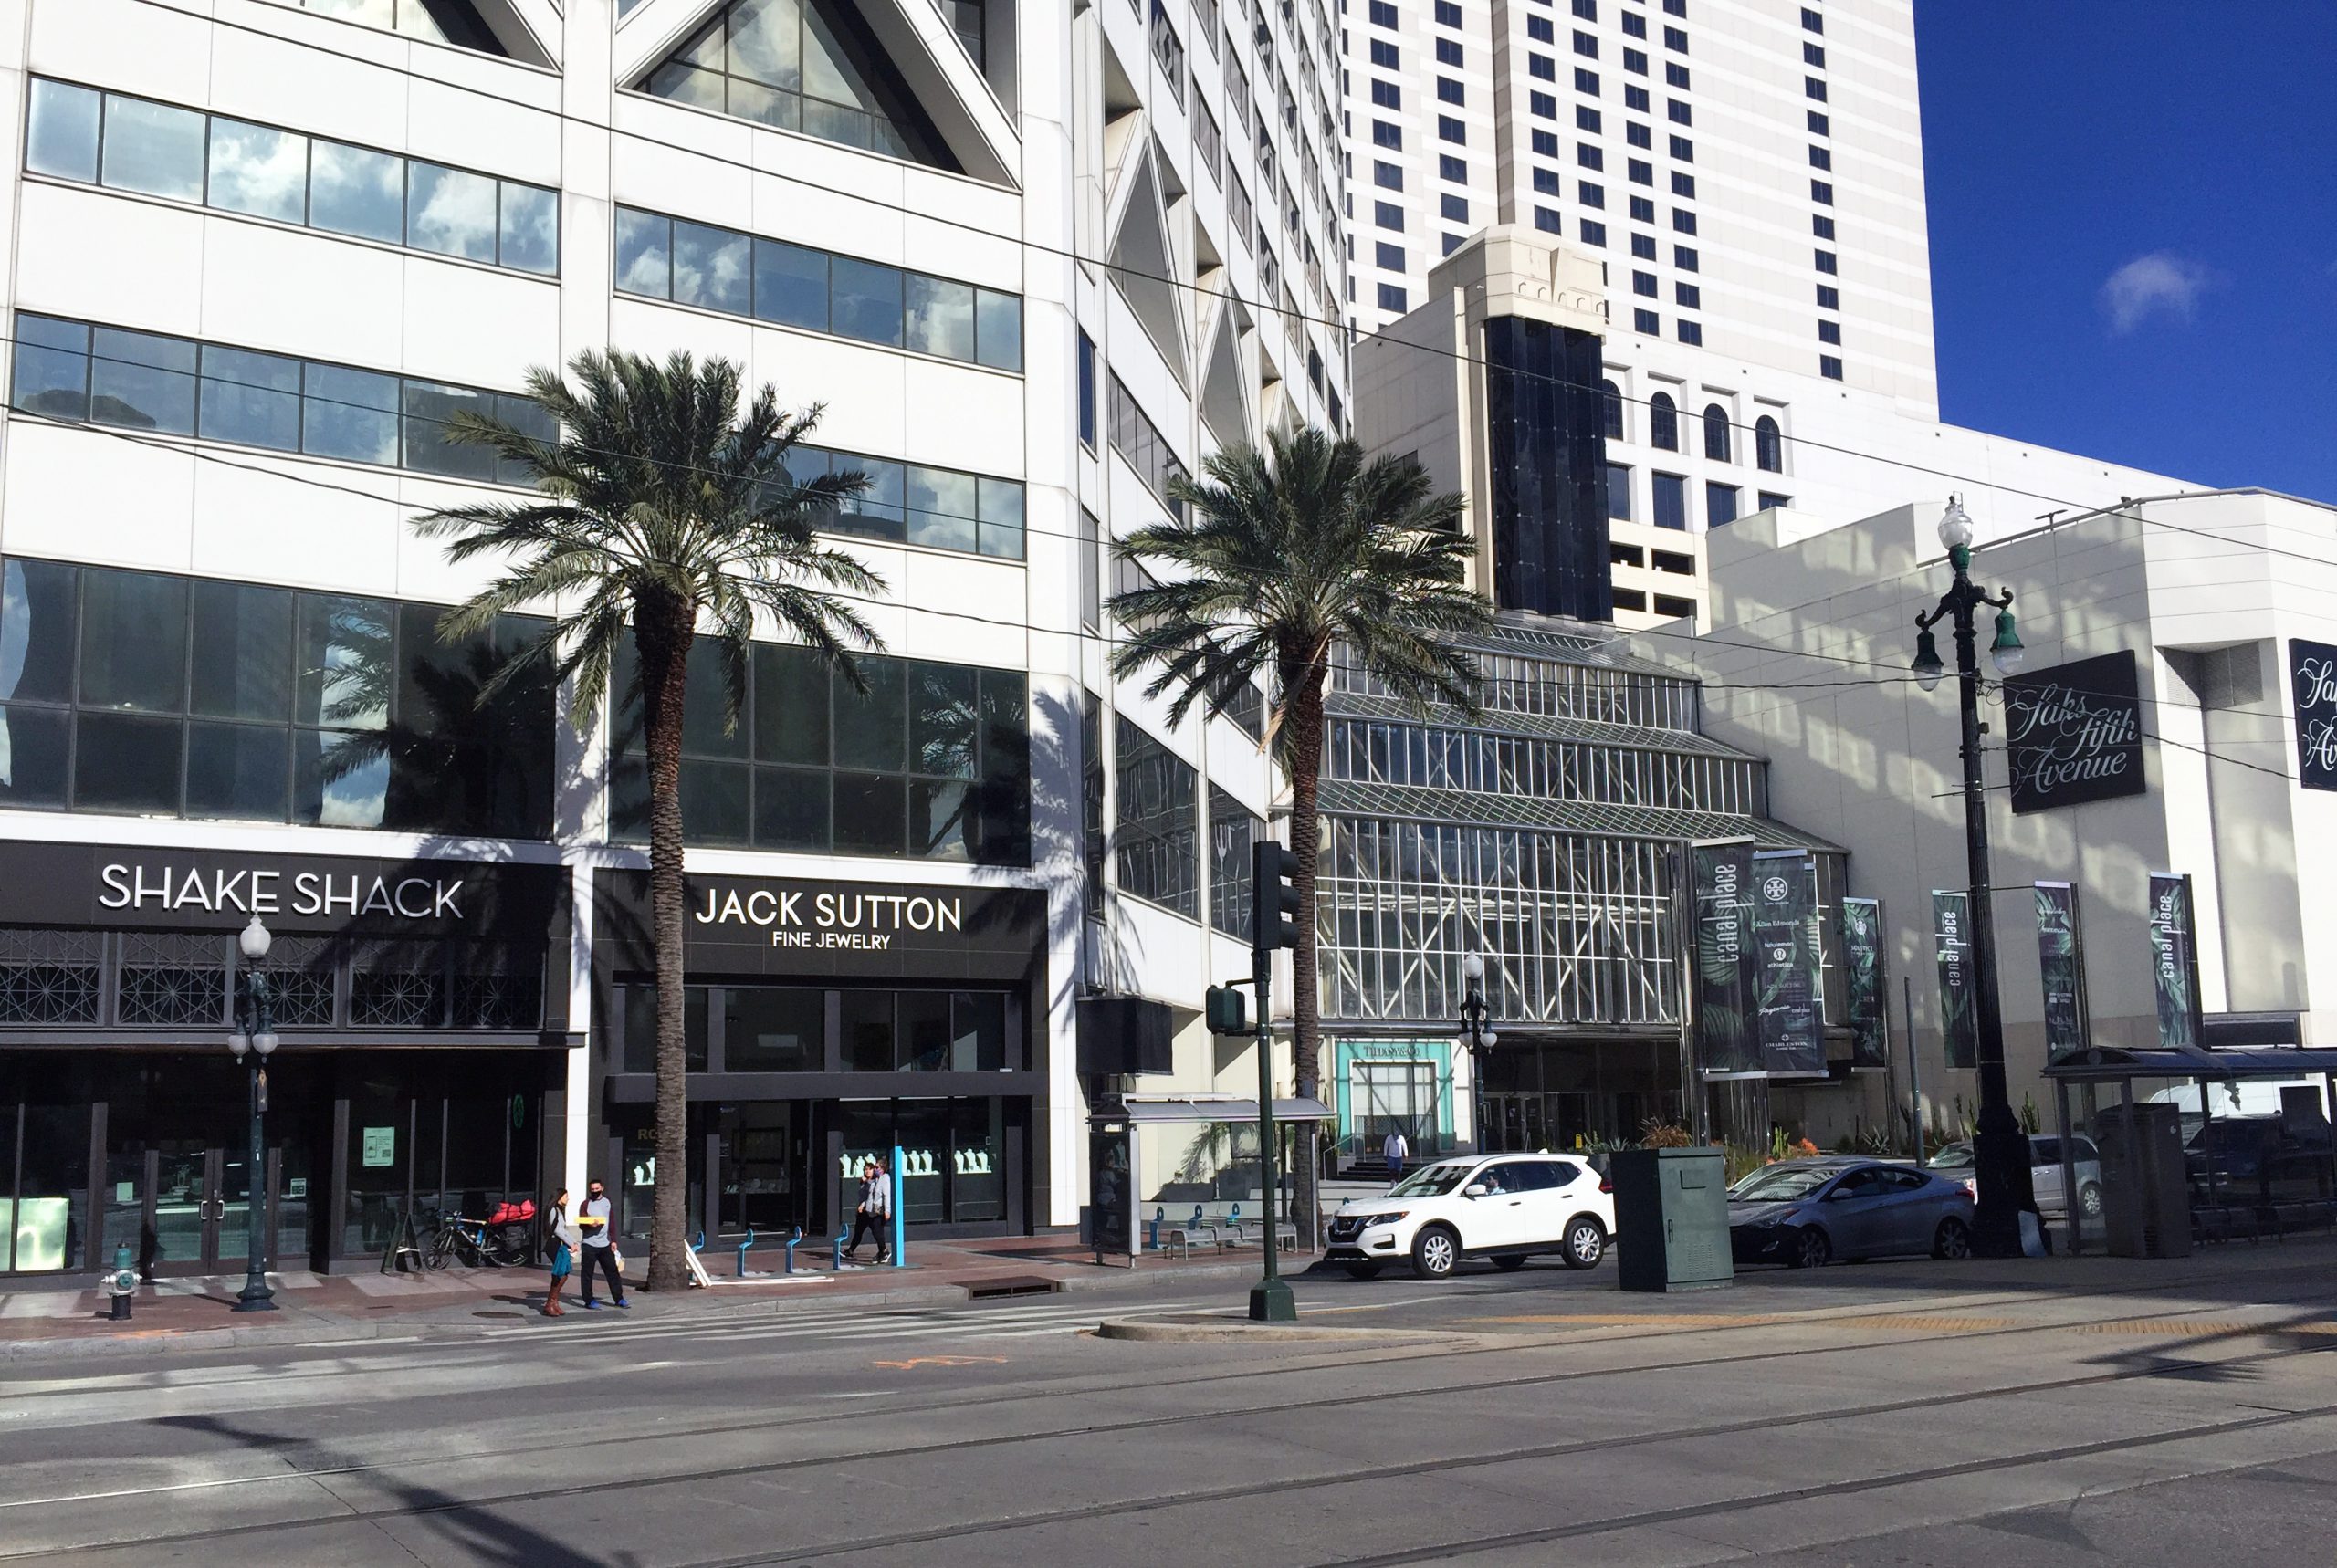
point(794, 1237)
point(749, 1241)
point(900, 1219)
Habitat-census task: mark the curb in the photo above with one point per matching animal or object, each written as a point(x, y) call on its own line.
point(1224, 1330)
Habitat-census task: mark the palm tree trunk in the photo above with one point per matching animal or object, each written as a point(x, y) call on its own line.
point(1304, 714)
point(662, 635)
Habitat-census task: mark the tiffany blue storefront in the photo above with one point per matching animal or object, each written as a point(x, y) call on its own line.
point(1384, 1085)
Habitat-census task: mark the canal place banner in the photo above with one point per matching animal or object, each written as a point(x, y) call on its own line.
point(1728, 1042)
point(2175, 960)
point(1863, 958)
point(2073, 734)
point(1784, 890)
point(2060, 959)
point(1952, 936)
point(2312, 681)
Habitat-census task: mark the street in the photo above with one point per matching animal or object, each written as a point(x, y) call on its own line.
point(1914, 1413)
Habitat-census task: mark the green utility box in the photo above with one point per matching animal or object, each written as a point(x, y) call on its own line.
point(1671, 1219)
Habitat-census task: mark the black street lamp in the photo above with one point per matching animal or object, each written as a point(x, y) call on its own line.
point(254, 1039)
point(1474, 1015)
point(2001, 1150)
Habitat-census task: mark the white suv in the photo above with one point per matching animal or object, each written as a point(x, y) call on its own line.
point(1503, 1207)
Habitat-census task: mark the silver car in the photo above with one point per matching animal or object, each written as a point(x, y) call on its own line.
point(1957, 1162)
point(1804, 1213)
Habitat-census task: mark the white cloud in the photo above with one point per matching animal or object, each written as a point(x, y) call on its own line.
point(2150, 285)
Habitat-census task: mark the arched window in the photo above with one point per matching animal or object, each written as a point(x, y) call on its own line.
point(1610, 410)
point(1663, 423)
point(1768, 445)
point(1716, 433)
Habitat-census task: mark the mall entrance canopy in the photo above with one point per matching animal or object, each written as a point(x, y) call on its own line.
point(2254, 1121)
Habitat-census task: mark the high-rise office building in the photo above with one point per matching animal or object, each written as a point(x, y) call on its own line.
point(1034, 261)
point(1748, 175)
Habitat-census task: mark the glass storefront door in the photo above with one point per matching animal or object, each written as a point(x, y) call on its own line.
point(200, 1210)
point(763, 1149)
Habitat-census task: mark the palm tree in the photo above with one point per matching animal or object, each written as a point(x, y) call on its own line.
point(1285, 555)
point(660, 506)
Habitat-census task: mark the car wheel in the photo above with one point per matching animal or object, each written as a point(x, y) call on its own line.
point(1954, 1238)
point(1510, 1262)
point(1811, 1250)
point(1363, 1271)
point(1435, 1250)
point(2089, 1200)
point(1586, 1243)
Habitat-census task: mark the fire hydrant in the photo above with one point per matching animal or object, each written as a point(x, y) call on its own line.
point(121, 1283)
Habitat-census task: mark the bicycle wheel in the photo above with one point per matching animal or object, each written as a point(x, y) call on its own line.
point(441, 1249)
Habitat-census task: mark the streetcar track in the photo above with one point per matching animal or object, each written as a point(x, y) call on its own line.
point(352, 1513)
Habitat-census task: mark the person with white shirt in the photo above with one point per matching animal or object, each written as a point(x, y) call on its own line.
point(592, 1221)
point(875, 1215)
point(1396, 1151)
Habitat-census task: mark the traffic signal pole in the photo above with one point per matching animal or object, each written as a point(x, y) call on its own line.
point(1274, 902)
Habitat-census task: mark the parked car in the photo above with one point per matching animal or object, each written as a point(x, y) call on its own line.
point(1502, 1207)
point(1957, 1162)
point(1804, 1213)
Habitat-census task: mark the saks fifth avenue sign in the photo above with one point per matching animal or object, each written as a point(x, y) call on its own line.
point(2312, 681)
point(794, 917)
point(2074, 733)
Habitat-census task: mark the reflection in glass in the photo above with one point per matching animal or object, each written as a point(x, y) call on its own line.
point(62, 138)
point(52, 367)
point(238, 770)
point(792, 285)
point(354, 192)
point(640, 1006)
point(790, 809)
point(153, 148)
point(141, 380)
point(430, 407)
point(36, 630)
point(242, 652)
point(343, 672)
point(259, 171)
point(133, 640)
point(774, 1029)
point(938, 316)
point(251, 399)
point(531, 217)
point(715, 801)
point(351, 414)
point(940, 824)
point(943, 722)
point(1002, 518)
point(34, 743)
point(341, 779)
point(866, 299)
point(712, 267)
point(790, 718)
point(122, 763)
point(999, 329)
point(941, 509)
point(870, 727)
point(450, 212)
point(644, 253)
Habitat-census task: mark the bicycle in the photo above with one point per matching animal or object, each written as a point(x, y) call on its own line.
point(483, 1243)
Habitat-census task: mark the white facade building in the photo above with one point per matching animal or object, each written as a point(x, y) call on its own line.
point(1031, 259)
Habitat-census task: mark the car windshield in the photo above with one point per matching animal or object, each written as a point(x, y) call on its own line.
point(1429, 1181)
point(1782, 1184)
point(1954, 1157)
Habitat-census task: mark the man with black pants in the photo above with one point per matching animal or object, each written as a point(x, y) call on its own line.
point(875, 1215)
point(593, 1220)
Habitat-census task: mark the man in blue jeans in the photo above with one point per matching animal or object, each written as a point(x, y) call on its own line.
point(593, 1220)
point(873, 1216)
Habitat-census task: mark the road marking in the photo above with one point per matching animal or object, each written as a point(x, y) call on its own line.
point(917, 1361)
point(1596, 1319)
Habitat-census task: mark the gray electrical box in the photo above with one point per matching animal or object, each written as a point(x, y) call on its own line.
point(2145, 1191)
point(1671, 1219)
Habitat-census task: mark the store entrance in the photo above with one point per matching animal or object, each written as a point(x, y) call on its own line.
point(201, 1205)
point(179, 1179)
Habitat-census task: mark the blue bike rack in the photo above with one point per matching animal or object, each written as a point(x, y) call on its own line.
point(835, 1250)
point(749, 1241)
point(794, 1238)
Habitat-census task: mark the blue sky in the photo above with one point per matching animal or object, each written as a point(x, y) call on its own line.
point(2134, 230)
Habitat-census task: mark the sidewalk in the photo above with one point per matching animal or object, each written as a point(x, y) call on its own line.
point(195, 1314)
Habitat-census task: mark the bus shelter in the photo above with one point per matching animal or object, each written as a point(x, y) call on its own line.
point(1179, 1160)
point(2196, 1145)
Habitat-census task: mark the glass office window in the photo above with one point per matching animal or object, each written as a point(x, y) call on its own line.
point(1159, 821)
point(62, 130)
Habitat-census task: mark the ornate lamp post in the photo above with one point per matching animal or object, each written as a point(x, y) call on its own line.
point(2001, 1150)
point(254, 1041)
point(1474, 1015)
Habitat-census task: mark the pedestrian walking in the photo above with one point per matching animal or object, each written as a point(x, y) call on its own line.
point(875, 1215)
point(566, 1238)
point(598, 1252)
point(1396, 1151)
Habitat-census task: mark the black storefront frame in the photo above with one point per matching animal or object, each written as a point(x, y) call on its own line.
point(749, 932)
point(51, 887)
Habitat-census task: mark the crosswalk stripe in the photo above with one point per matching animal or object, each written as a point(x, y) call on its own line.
point(965, 1322)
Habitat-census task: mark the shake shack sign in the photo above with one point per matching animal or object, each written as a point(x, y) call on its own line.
point(736, 924)
point(2074, 733)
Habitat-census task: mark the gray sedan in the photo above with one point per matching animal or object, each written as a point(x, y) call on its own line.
point(1803, 1213)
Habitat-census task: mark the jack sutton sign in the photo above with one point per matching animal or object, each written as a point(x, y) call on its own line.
point(2313, 682)
point(2074, 733)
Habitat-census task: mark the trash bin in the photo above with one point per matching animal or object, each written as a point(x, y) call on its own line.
point(1671, 1219)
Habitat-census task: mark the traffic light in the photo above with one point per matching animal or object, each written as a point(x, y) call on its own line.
point(1228, 1010)
point(1274, 915)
